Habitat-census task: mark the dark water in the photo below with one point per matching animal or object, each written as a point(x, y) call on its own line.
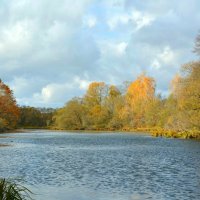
point(106, 166)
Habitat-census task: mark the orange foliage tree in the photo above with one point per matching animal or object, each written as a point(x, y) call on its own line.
point(9, 111)
point(139, 94)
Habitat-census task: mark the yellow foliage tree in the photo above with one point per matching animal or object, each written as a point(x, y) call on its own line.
point(140, 92)
point(94, 101)
point(187, 95)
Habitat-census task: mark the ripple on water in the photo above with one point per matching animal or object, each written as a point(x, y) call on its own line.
point(110, 166)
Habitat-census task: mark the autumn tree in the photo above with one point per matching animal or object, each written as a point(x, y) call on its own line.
point(169, 117)
point(71, 116)
point(111, 99)
point(94, 101)
point(139, 94)
point(187, 94)
point(95, 94)
point(153, 115)
point(136, 105)
point(9, 112)
point(114, 104)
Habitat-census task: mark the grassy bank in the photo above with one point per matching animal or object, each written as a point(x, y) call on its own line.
point(156, 132)
point(185, 134)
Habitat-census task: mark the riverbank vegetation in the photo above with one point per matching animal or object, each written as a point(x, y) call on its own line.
point(138, 107)
point(13, 116)
point(134, 106)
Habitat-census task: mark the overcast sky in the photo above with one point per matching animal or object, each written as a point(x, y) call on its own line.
point(51, 50)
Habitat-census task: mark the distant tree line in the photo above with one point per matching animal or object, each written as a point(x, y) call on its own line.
point(12, 116)
point(31, 117)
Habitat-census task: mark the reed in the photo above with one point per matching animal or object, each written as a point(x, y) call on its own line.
point(13, 191)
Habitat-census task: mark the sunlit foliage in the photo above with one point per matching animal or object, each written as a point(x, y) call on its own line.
point(140, 94)
point(9, 111)
point(187, 95)
point(105, 107)
point(136, 106)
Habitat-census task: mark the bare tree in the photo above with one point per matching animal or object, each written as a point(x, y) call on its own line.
point(197, 45)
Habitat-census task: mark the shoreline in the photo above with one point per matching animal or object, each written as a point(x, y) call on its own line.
point(4, 145)
point(154, 132)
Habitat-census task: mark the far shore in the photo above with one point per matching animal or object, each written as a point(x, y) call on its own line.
point(27, 130)
point(193, 134)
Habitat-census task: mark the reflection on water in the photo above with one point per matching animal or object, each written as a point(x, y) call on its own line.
point(60, 165)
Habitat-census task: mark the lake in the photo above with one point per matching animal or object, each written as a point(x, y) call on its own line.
point(103, 166)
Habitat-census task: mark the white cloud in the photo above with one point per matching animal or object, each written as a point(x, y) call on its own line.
point(58, 93)
point(31, 27)
point(141, 19)
point(51, 50)
point(19, 85)
point(90, 21)
point(116, 20)
point(113, 3)
point(26, 86)
point(52, 93)
point(166, 57)
point(136, 18)
point(113, 49)
point(155, 64)
point(16, 39)
point(83, 84)
point(121, 48)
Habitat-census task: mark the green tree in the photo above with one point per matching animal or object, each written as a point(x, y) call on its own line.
point(72, 116)
point(31, 117)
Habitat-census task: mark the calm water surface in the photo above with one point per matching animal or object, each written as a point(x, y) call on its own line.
point(106, 166)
